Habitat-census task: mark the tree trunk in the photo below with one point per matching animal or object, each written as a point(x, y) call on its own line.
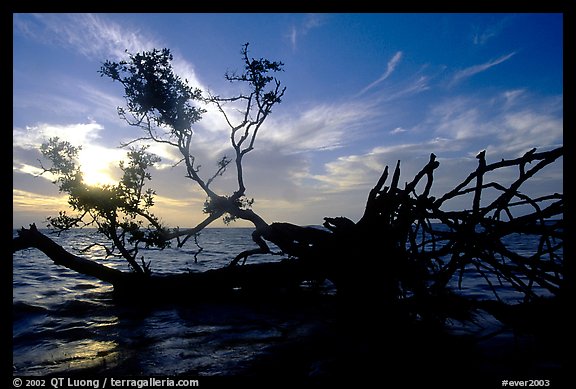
point(32, 238)
point(265, 279)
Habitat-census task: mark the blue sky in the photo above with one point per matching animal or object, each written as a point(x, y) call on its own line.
point(363, 91)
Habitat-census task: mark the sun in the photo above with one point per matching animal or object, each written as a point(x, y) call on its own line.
point(96, 177)
point(96, 165)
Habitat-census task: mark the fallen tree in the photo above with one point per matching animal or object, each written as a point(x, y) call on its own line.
point(405, 248)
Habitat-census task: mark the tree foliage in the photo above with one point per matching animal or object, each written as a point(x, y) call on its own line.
point(154, 92)
point(121, 212)
point(163, 105)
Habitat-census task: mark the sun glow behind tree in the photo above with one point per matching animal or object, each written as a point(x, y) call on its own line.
point(97, 166)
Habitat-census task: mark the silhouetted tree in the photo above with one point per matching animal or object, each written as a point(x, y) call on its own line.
point(161, 104)
point(120, 212)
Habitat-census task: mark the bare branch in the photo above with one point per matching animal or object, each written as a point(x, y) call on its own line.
point(189, 232)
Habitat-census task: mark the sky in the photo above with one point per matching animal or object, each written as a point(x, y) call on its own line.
point(362, 92)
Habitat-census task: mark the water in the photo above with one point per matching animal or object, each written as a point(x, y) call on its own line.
point(64, 322)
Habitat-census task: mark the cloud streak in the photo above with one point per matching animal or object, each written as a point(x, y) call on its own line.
point(78, 134)
point(504, 127)
point(390, 67)
point(456, 129)
point(89, 34)
point(484, 34)
point(311, 21)
point(473, 70)
point(34, 201)
point(95, 37)
point(321, 127)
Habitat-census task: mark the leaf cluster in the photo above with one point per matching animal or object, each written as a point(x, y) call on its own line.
point(154, 91)
point(121, 212)
point(258, 74)
point(222, 205)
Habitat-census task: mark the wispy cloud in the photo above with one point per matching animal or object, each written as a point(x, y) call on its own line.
point(523, 130)
point(390, 67)
point(473, 70)
point(70, 100)
point(96, 37)
point(91, 35)
point(511, 97)
point(78, 134)
point(414, 86)
point(322, 127)
point(310, 22)
point(496, 124)
point(34, 201)
point(19, 167)
point(455, 130)
point(398, 130)
point(359, 172)
point(482, 34)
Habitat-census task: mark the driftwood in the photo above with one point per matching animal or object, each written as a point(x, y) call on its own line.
point(394, 252)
